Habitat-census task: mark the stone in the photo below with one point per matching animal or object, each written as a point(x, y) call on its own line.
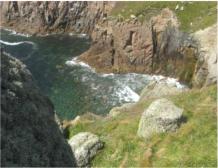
point(206, 68)
point(30, 137)
point(114, 112)
point(159, 89)
point(85, 146)
point(161, 116)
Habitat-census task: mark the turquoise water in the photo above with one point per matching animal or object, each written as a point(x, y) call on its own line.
point(74, 88)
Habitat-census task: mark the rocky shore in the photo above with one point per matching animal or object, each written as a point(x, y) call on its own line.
point(155, 46)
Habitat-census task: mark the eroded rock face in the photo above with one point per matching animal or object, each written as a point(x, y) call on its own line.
point(29, 133)
point(206, 69)
point(50, 17)
point(156, 46)
point(161, 116)
point(85, 146)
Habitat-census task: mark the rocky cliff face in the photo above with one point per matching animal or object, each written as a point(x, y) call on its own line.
point(29, 134)
point(156, 46)
point(50, 17)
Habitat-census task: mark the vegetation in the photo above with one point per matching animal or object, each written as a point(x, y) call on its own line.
point(193, 16)
point(193, 145)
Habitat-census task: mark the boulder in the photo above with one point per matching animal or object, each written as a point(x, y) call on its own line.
point(85, 146)
point(158, 89)
point(206, 69)
point(161, 116)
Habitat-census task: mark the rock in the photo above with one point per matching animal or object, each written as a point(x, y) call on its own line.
point(85, 146)
point(206, 68)
point(161, 116)
point(114, 112)
point(156, 46)
point(30, 137)
point(69, 123)
point(159, 89)
point(46, 17)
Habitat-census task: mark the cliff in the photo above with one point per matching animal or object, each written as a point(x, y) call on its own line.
point(29, 134)
point(141, 37)
point(53, 17)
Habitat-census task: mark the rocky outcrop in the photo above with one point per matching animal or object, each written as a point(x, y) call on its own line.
point(114, 112)
point(159, 89)
point(206, 68)
point(85, 146)
point(161, 116)
point(29, 133)
point(155, 46)
point(53, 17)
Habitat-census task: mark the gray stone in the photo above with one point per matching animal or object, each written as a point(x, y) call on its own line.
point(206, 69)
point(161, 116)
point(158, 89)
point(85, 146)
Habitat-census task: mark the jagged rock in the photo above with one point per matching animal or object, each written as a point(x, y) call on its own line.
point(29, 134)
point(206, 69)
point(85, 146)
point(159, 89)
point(47, 17)
point(161, 116)
point(154, 46)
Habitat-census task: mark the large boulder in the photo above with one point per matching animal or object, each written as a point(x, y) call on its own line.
point(206, 69)
point(158, 89)
point(161, 116)
point(30, 137)
point(85, 146)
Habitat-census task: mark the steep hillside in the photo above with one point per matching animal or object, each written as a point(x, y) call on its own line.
point(193, 145)
point(29, 134)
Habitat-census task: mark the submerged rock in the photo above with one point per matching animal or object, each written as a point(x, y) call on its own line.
point(85, 146)
point(29, 134)
point(161, 116)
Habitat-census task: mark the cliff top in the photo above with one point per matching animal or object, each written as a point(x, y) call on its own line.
point(192, 15)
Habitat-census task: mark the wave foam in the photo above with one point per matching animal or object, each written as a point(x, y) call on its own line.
point(16, 33)
point(76, 62)
point(16, 43)
point(127, 94)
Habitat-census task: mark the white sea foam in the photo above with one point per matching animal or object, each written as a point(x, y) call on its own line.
point(79, 35)
point(76, 62)
point(16, 33)
point(16, 43)
point(127, 94)
point(168, 80)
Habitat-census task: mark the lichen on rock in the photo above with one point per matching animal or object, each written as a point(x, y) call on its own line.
point(161, 116)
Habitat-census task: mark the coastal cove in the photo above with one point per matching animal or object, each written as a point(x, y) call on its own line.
point(73, 86)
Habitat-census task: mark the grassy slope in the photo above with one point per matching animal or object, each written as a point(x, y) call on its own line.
point(201, 14)
point(194, 144)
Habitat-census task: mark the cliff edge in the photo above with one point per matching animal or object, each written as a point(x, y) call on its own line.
point(29, 134)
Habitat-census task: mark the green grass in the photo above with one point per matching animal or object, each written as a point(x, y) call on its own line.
point(201, 14)
point(193, 145)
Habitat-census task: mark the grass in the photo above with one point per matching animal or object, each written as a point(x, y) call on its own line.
point(193, 145)
point(200, 14)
